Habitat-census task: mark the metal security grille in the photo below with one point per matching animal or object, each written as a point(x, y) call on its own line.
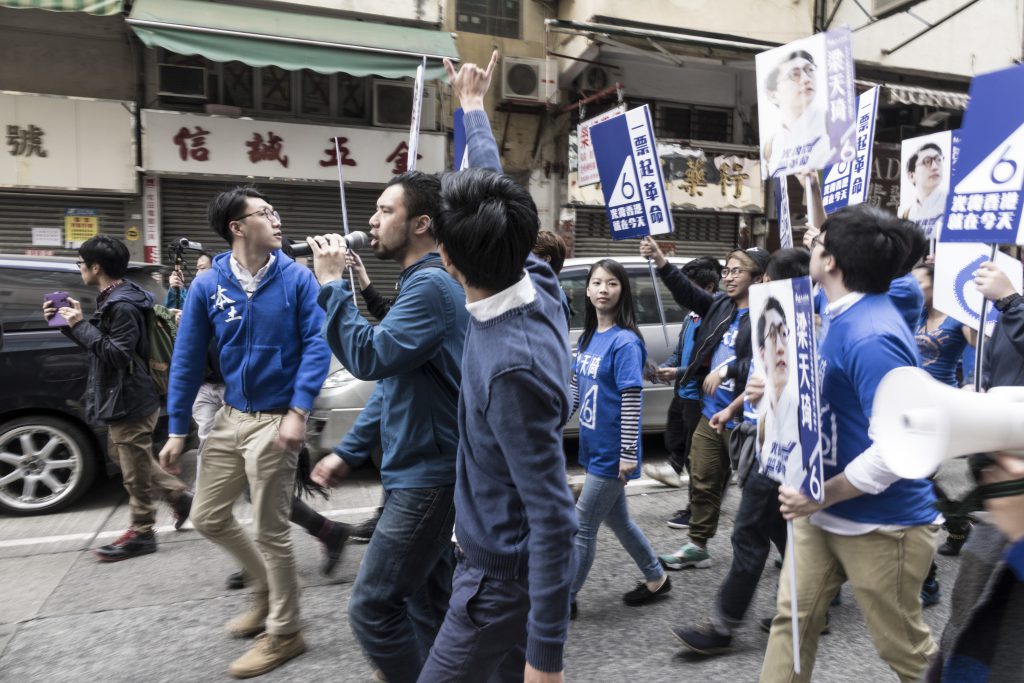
point(697, 233)
point(305, 210)
point(19, 213)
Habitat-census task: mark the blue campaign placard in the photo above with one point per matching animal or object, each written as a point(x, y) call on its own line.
point(846, 183)
point(631, 178)
point(984, 203)
point(459, 161)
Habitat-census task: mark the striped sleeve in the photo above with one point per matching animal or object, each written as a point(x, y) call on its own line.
point(631, 407)
point(574, 394)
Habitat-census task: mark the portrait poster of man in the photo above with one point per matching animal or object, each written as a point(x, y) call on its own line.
point(924, 180)
point(806, 104)
point(782, 326)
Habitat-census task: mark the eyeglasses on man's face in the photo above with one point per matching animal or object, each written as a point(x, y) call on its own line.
point(930, 161)
point(778, 333)
point(734, 272)
point(269, 214)
point(797, 72)
point(818, 240)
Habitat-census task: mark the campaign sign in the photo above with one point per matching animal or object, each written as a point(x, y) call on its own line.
point(984, 204)
point(805, 101)
point(789, 419)
point(846, 183)
point(782, 209)
point(925, 164)
point(461, 158)
point(586, 163)
point(634, 190)
point(954, 291)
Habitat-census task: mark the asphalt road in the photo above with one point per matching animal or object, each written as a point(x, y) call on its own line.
point(66, 617)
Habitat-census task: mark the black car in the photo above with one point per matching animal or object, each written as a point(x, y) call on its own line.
point(49, 455)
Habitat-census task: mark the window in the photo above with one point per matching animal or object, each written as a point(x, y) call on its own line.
point(352, 97)
point(276, 89)
point(315, 91)
point(238, 85)
point(645, 298)
point(690, 122)
point(22, 291)
point(493, 17)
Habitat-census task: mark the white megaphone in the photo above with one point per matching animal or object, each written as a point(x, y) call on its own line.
point(918, 422)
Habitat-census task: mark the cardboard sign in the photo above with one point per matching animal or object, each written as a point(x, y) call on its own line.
point(954, 292)
point(587, 163)
point(806, 107)
point(631, 179)
point(846, 183)
point(785, 353)
point(782, 208)
point(924, 180)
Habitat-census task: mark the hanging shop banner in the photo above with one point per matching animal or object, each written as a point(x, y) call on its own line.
point(847, 182)
point(806, 104)
point(987, 184)
point(174, 142)
point(789, 421)
point(634, 189)
point(924, 180)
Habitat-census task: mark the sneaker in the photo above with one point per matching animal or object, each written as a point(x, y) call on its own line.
point(237, 580)
point(689, 555)
point(931, 594)
point(953, 544)
point(704, 640)
point(130, 544)
point(269, 652)
point(361, 533)
point(334, 544)
point(641, 595)
point(253, 621)
point(681, 520)
point(181, 509)
point(664, 473)
point(766, 624)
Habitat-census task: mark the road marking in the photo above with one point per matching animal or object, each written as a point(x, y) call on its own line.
point(42, 540)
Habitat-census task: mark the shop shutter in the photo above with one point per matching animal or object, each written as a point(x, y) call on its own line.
point(305, 210)
point(19, 213)
point(697, 233)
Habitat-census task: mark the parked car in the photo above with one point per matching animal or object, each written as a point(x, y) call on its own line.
point(343, 396)
point(49, 455)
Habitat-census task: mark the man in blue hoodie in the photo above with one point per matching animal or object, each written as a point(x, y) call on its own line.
point(260, 307)
point(401, 592)
point(121, 394)
point(874, 529)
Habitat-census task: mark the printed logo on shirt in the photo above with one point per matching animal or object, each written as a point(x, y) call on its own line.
point(588, 409)
point(232, 315)
point(221, 299)
point(588, 365)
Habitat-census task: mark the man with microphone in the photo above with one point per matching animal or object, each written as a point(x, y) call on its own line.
point(260, 307)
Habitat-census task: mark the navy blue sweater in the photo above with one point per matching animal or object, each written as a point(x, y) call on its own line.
point(515, 517)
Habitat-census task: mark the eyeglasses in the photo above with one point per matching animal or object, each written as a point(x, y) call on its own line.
point(79, 263)
point(269, 214)
point(929, 162)
point(778, 333)
point(734, 272)
point(818, 240)
point(798, 72)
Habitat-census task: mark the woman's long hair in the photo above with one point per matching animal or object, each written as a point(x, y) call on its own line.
point(625, 314)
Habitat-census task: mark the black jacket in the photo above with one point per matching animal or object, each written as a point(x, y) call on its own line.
point(1004, 352)
point(117, 339)
point(717, 312)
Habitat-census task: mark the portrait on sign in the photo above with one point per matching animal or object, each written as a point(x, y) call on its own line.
point(805, 98)
point(924, 180)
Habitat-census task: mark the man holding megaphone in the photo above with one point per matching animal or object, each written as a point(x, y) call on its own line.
point(875, 529)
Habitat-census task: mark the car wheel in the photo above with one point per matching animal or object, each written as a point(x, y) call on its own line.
point(45, 465)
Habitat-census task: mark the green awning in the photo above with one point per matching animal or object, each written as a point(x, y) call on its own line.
point(101, 8)
point(291, 41)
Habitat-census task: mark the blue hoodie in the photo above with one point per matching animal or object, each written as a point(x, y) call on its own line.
point(271, 353)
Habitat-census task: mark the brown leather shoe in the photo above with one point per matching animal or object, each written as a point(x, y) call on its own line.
point(269, 652)
point(253, 621)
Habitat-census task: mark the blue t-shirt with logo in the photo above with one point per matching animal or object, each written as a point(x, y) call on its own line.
point(612, 362)
point(940, 348)
point(725, 353)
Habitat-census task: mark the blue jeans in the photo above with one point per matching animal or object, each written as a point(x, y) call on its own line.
point(484, 633)
point(604, 500)
point(401, 593)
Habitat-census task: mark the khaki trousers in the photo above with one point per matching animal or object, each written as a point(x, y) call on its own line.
point(242, 448)
point(130, 442)
point(709, 476)
point(885, 569)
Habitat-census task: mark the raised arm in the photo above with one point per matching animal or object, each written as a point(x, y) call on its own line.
point(470, 84)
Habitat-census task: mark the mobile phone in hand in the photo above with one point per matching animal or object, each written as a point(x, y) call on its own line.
point(58, 300)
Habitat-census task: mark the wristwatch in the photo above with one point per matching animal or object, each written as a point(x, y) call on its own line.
point(1007, 302)
point(723, 373)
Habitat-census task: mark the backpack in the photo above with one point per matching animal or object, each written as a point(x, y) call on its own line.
point(161, 329)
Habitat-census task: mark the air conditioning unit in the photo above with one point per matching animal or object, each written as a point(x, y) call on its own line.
point(392, 104)
point(594, 79)
point(529, 80)
point(176, 80)
point(880, 9)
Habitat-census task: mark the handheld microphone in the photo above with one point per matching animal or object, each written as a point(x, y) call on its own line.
point(185, 243)
point(355, 241)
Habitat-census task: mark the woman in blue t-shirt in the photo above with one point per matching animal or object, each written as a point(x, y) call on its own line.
point(606, 386)
point(940, 339)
